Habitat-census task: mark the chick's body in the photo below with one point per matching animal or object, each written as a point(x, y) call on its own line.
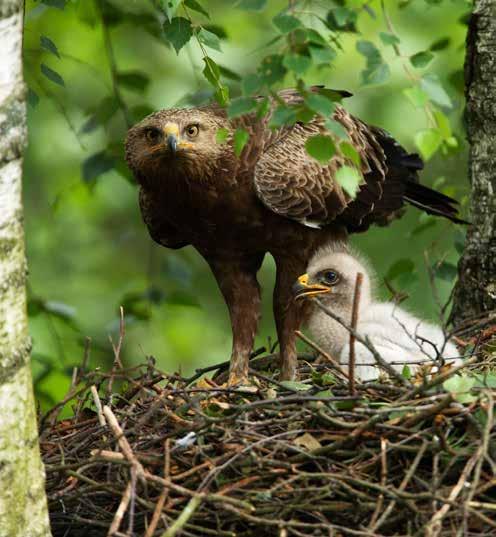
point(399, 337)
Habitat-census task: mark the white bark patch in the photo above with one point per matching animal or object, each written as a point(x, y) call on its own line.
point(10, 66)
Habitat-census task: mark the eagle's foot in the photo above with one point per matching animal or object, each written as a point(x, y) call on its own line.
point(242, 383)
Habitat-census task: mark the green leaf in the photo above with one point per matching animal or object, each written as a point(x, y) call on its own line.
point(320, 104)
point(222, 135)
point(440, 44)
point(432, 86)
point(416, 96)
point(446, 271)
point(459, 386)
point(316, 38)
point(443, 124)
point(320, 147)
point(228, 73)
point(321, 54)
point(389, 39)
point(133, 80)
point(52, 75)
point(297, 63)
point(402, 266)
point(178, 32)
point(271, 69)
point(59, 4)
point(341, 19)
point(170, 7)
point(349, 178)
point(286, 23)
point(209, 39)
point(376, 71)
point(406, 373)
point(96, 165)
point(251, 5)
point(211, 71)
point(196, 6)
point(240, 106)
point(336, 128)
point(428, 142)
point(33, 98)
point(100, 114)
point(251, 84)
point(348, 151)
point(47, 44)
point(283, 115)
point(296, 386)
point(240, 139)
point(421, 59)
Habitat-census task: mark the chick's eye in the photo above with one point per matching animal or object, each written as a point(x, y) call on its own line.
point(152, 135)
point(330, 276)
point(192, 131)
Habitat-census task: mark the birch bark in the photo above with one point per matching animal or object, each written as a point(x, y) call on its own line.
point(23, 506)
point(475, 291)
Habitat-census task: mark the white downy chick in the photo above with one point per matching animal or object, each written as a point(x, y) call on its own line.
point(398, 336)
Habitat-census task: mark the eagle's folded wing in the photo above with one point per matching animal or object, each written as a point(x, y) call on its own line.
point(293, 184)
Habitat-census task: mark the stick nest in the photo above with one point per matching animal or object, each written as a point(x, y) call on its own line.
point(149, 454)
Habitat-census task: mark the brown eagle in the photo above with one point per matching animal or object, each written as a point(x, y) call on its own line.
point(273, 198)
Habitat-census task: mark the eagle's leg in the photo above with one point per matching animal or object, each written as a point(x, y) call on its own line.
point(287, 312)
point(237, 279)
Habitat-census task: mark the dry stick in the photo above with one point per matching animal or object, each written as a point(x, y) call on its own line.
point(117, 350)
point(163, 495)
point(401, 488)
point(434, 526)
point(119, 514)
point(380, 502)
point(332, 361)
point(122, 440)
point(365, 341)
point(438, 379)
point(98, 404)
point(185, 515)
point(354, 321)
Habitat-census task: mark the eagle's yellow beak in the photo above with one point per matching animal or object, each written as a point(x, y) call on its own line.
point(303, 289)
point(174, 142)
point(171, 134)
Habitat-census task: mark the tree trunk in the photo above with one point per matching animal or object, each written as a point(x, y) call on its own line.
point(475, 291)
point(23, 506)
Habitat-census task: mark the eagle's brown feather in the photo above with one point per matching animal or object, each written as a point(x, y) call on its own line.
point(235, 209)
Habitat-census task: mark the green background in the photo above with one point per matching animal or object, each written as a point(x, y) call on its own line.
point(88, 250)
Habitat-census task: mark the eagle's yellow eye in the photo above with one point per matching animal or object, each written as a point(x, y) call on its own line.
point(192, 130)
point(153, 135)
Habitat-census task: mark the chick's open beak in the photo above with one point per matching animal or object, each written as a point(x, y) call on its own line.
point(303, 289)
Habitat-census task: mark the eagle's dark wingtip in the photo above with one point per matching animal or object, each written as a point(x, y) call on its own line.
point(432, 202)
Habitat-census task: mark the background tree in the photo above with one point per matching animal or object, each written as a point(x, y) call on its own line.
point(475, 291)
point(23, 509)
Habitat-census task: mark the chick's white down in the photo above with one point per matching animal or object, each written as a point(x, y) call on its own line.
point(398, 336)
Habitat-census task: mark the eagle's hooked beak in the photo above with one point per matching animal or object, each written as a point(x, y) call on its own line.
point(303, 289)
point(171, 132)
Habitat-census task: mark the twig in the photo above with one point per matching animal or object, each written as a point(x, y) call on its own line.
point(121, 439)
point(98, 404)
point(163, 495)
point(185, 515)
point(354, 321)
point(434, 526)
point(121, 510)
point(332, 361)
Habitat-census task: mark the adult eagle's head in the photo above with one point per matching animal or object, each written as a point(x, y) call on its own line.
point(175, 142)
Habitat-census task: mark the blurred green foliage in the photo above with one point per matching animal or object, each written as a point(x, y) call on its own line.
point(94, 67)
